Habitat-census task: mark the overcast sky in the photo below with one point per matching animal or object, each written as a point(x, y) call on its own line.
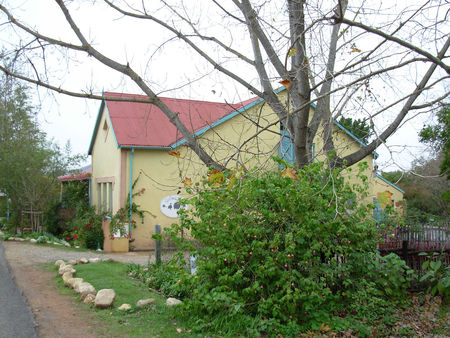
point(71, 119)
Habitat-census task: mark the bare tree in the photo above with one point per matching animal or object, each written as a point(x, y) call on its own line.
point(386, 64)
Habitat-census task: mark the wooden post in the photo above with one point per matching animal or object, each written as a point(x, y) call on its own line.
point(405, 250)
point(158, 245)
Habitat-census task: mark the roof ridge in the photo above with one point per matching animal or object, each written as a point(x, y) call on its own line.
point(174, 98)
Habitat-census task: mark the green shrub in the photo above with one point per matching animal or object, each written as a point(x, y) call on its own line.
point(282, 247)
point(437, 275)
point(86, 229)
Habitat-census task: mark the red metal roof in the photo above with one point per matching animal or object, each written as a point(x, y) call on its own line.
point(138, 124)
point(84, 175)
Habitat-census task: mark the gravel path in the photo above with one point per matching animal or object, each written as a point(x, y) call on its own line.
point(55, 315)
point(44, 254)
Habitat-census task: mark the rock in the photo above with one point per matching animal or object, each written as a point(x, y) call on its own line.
point(85, 289)
point(56, 243)
point(72, 282)
point(105, 298)
point(33, 241)
point(77, 246)
point(20, 239)
point(173, 302)
point(27, 238)
point(179, 330)
point(48, 242)
point(84, 260)
point(66, 276)
point(94, 260)
point(90, 298)
point(66, 268)
point(124, 307)
point(144, 302)
point(2, 234)
point(72, 262)
point(59, 262)
point(67, 244)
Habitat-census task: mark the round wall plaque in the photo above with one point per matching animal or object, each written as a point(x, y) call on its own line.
point(169, 206)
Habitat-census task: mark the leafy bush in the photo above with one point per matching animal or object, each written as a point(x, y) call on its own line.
point(166, 278)
point(282, 247)
point(437, 276)
point(59, 213)
point(86, 229)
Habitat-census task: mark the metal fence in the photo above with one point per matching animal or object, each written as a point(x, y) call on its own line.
point(409, 242)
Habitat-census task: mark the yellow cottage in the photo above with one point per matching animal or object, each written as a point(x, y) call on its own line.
point(134, 143)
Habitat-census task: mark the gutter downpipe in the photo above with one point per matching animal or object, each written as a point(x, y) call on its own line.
point(131, 189)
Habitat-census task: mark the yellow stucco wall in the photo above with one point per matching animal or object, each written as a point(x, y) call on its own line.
point(105, 161)
point(382, 190)
point(160, 174)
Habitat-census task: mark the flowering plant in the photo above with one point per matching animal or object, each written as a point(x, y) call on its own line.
point(120, 219)
point(86, 229)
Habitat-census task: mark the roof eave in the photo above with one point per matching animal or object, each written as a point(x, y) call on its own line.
point(388, 182)
point(97, 123)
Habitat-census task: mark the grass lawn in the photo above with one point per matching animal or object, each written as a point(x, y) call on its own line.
point(422, 318)
point(154, 320)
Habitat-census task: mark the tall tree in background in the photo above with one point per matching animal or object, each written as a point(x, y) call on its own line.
point(357, 127)
point(384, 60)
point(29, 164)
point(438, 137)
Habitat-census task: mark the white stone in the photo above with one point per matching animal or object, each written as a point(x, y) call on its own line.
point(66, 276)
point(144, 302)
point(104, 298)
point(89, 299)
point(85, 289)
point(20, 239)
point(124, 307)
point(11, 238)
point(33, 241)
point(173, 302)
point(77, 246)
point(84, 260)
point(59, 262)
point(2, 234)
point(66, 268)
point(67, 244)
point(72, 262)
point(179, 330)
point(94, 260)
point(56, 243)
point(72, 282)
point(48, 242)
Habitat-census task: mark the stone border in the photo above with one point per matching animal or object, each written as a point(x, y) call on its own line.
point(104, 298)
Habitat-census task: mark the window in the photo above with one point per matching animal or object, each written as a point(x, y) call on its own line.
point(105, 188)
point(286, 149)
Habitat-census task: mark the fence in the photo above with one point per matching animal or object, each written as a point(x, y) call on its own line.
point(408, 242)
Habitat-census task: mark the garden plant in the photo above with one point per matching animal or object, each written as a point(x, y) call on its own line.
point(281, 252)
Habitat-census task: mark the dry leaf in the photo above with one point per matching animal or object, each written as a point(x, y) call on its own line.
point(289, 173)
point(174, 153)
point(285, 83)
point(187, 182)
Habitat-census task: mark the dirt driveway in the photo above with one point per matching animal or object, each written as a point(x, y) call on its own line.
point(56, 315)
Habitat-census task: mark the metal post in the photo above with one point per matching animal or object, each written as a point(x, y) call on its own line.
point(8, 201)
point(158, 245)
